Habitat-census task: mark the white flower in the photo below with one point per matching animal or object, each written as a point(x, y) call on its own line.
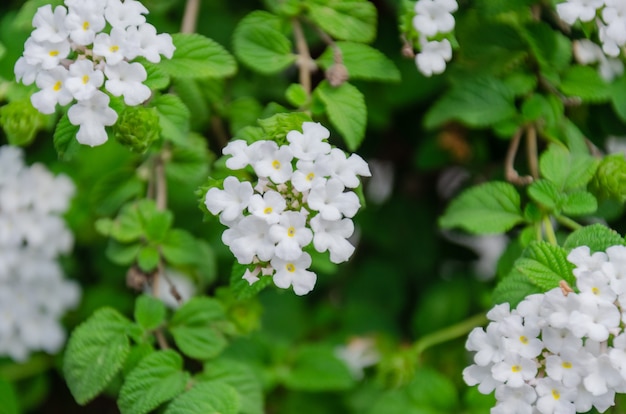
point(238, 150)
point(306, 173)
point(331, 201)
point(594, 320)
point(53, 90)
point(433, 57)
point(149, 44)
point(49, 25)
point(569, 366)
point(614, 15)
point(487, 344)
point(84, 20)
point(434, 16)
point(514, 400)
point(111, 46)
point(358, 354)
point(83, 80)
point(309, 144)
point(230, 201)
point(46, 54)
point(275, 165)
point(123, 14)
point(481, 376)
point(332, 236)
point(554, 397)
point(583, 10)
point(92, 116)
point(521, 338)
point(252, 276)
point(344, 169)
point(268, 206)
point(25, 72)
point(249, 238)
point(294, 273)
point(290, 234)
point(514, 370)
point(127, 79)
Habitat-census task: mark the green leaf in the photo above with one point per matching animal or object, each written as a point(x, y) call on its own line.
point(239, 376)
point(115, 188)
point(149, 312)
point(157, 77)
point(363, 62)
point(277, 126)
point(260, 43)
point(64, 139)
point(240, 287)
point(618, 97)
point(585, 83)
point(95, 352)
point(430, 388)
point(156, 379)
point(552, 50)
point(243, 112)
point(9, 398)
point(206, 398)
point(345, 107)
point(156, 223)
point(180, 247)
point(535, 107)
point(122, 254)
point(567, 170)
point(296, 95)
point(174, 117)
point(514, 288)
point(580, 203)
point(189, 163)
point(316, 368)
point(545, 193)
point(597, 237)
point(354, 21)
point(492, 207)
point(478, 102)
point(545, 265)
point(148, 258)
point(193, 327)
point(197, 56)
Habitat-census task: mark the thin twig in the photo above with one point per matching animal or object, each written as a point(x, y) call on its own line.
point(531, 151)
point(509, 168)
point(305, 62)
point(190, 18)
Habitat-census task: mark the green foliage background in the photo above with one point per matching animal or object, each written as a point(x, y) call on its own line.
point(408, 288)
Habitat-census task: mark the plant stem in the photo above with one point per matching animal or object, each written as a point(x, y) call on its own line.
point(304, 61)
point(568, 222)
point(448, 333)
point(547, 225)
point(509, 169)
point(531, 151)
point(190, 18)
point(36, 364)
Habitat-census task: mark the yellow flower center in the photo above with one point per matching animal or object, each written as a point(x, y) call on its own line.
point(276, 164)
point(523, 340)
point(556, 394)
point(291, 231)
point(290, 267)
point(595, 291)
point(310, 176)
point(54, 53)
point(57, 86)
point(566, 364)
point(85, 79)
point(267, 210)
point(516, 368)
point(85, 25)
point(114, 48)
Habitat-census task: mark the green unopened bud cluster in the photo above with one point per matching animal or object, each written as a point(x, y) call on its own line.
point(137, 128)
point(20, 122)
point(610, 178)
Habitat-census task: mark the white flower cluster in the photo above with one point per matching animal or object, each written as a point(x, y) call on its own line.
point(288, 208)
point(433, 17)
point(561, 351)
point(69, 57)
point(587, 52)
point(33, 293)
point(610, 18)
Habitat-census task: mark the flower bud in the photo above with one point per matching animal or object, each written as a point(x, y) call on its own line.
point(137, 128)
point(20, 122)
point(610, 177)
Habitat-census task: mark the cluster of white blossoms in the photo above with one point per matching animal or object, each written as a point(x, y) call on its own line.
point(609, 16)
point(434, 17)
point(300, 198)
point(69, 57)
point(561, 351)
point(587, 52)
point(33, 292)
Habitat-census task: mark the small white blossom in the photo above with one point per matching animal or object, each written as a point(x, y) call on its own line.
point(92, 116)
point(53, 90)
point(294, 273)
point(433, 57)
point(583, 10)
point(49, 25)
point(332, 236)
point(332, 202)
point(290, 234)
point(84, 80)
point(434, 16)
point(230, 201)
point(126, 79)
point(309, 144)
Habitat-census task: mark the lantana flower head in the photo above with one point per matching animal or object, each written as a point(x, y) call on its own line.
point(561, 351)
point(294, 204)
point(70, 56)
